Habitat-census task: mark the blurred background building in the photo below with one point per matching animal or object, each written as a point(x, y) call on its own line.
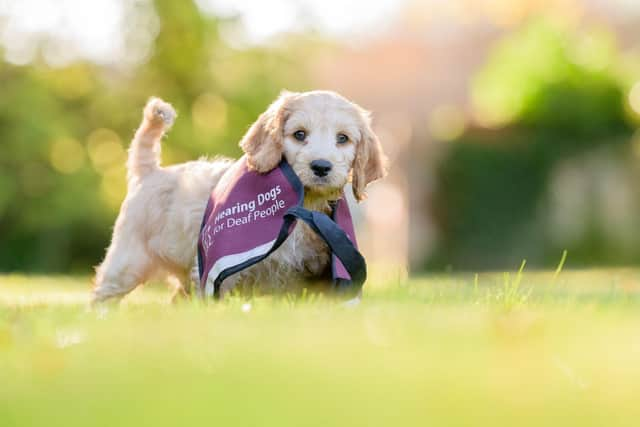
point(510, 124)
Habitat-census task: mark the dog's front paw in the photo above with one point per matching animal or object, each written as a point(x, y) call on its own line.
point(158, 111)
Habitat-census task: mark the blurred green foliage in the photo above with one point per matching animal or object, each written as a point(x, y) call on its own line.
point(64, 131)
point(545, 96)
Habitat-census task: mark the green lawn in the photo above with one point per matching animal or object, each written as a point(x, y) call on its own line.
point(439, 350)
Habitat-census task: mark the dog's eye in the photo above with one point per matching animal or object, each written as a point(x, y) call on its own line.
point(342, 138)
point(300, 135)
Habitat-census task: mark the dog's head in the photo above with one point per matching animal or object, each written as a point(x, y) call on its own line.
point(325, 138)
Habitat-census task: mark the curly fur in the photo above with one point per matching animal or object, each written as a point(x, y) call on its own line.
point(157, 228)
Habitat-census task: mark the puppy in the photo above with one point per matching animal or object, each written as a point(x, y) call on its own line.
point(157, 228)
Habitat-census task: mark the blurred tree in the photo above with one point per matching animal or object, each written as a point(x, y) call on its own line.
point(64, 131)
point(545, 95)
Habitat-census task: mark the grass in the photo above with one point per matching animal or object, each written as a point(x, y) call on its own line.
point(524, 348)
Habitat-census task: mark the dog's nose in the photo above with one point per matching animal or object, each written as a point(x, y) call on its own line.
point(321, 167)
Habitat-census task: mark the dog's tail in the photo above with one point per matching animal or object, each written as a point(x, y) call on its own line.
point(144, 153)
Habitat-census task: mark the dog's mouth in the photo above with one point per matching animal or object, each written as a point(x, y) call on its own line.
point(322, 186)
point(320, 181)
point(328, 184)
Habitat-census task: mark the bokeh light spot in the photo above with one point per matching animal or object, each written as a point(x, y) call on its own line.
point(594, 51)
point(634, 97)
point(67, 155)
point(114, 186)
point(209, 112)
point(105, 149)
point(446, 122)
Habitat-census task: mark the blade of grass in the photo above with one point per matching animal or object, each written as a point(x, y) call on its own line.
point(516, 282)
point(560, 266)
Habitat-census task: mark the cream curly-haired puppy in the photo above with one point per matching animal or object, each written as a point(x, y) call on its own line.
point(326, 139)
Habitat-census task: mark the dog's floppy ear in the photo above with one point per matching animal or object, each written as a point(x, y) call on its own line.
point(370, 162)
point(263, 142)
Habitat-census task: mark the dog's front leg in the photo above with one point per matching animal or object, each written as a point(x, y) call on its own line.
point(228, 285)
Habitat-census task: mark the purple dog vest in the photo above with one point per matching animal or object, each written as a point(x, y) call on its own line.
point(250, 218)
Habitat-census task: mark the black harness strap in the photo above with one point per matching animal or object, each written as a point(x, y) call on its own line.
point(339, 243)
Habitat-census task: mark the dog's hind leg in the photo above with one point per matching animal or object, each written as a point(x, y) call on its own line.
point(126, 266)
point(181, 285)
